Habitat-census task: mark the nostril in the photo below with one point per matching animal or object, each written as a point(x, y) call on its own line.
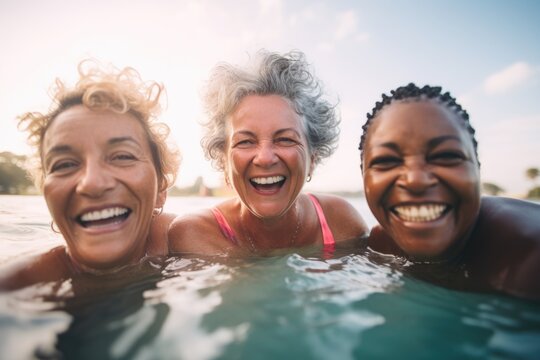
point(417, 180)
point(265, 155)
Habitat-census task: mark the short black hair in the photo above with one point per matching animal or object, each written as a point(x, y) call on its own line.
point(412, 92)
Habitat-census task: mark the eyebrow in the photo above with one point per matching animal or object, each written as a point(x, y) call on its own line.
point(280, 131)
point(243, 132)
point(439, 140)
point(431, 143)
point(58, 149)
point(62, 149)
point(390, 145)
point(121, 139)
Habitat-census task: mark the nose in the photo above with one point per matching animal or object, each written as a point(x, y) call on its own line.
point(266, 155)
point(417, 178)
point(95, 179)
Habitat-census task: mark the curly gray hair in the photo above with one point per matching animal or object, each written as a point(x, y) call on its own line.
point(286, 75)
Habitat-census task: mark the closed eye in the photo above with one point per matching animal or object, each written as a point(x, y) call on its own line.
point(63, 166)
point(285, 141)
point(384, 162)
point(447, 158)
point(124, 157)
point(243, 143)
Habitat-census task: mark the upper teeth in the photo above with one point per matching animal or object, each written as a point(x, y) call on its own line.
point(420, 213)
point(103, 214)
point(268, 180)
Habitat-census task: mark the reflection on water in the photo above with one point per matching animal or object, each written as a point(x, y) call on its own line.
point(355, 305)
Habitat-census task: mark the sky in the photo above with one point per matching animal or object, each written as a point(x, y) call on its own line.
point(485, 52)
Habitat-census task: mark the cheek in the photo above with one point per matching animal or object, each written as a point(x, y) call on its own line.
point(55, 193)
point(375, 186)
point(149, 182)
point(300, 155)
point(465, 181)
point(234, 163)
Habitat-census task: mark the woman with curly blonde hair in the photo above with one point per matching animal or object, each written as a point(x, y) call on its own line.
point(103, 164)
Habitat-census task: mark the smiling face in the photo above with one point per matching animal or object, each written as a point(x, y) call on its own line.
point(267, 154)
point(100, 185)
point(421, 178)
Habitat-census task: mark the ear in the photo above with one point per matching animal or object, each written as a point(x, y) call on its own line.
point(226, 173)
point(312, 165)
point(160, 199)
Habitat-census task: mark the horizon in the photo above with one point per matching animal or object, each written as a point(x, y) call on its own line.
point(482, 52)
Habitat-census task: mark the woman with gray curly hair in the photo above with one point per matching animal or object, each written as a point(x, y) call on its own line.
point(268, 127)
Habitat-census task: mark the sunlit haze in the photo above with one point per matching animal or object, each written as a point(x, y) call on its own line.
point(486, 53)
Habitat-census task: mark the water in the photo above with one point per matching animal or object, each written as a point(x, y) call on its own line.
point(296, 306)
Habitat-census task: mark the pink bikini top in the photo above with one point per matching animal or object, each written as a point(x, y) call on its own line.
point(228, 232)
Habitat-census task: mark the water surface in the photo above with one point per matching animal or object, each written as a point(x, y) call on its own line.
point(356, 305)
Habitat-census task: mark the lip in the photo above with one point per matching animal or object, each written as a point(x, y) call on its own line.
point(267, 184)
point(122, 215)
point(420, 215)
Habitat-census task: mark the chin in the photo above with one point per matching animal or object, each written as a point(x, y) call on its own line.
point(424, 249)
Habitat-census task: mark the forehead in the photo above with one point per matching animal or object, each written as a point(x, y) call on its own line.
point(79, 124)
point(264, 112)
point(413, 120)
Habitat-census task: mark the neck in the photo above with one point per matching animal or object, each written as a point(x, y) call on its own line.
point(265, 234)
point(80, 268)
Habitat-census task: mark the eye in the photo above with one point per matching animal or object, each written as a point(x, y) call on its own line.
point(123, 157)
point(447, 158)
point(384, 162)
point(285, 141)
point(63, 166)
point(244, 143)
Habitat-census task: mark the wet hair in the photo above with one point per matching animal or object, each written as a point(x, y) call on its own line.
point(286, 75)
point(413, 92)
point(107, 88)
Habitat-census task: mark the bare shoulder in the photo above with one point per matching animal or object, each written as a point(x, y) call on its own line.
point(509, 230)
point(514, 218)
point(49, 266)
point(196, 233)
point(344, 220)
point(158, 244)
point(522, 214)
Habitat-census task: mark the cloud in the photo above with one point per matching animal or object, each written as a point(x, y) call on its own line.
point(346, 29)
point(347, 24)
point(508, 78)
point(507, 148)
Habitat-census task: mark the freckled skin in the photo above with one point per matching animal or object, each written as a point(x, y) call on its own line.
point(481, 244)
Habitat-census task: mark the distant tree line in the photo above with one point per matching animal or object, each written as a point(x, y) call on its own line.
point(13, 177)
point(197, 189)
point(531, 174)
point(14, 180)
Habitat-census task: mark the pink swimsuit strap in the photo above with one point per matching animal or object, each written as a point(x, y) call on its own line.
point(328, 237)
point(226, 229)
point(228, 232)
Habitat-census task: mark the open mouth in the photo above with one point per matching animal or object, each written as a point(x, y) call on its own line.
point(268, 183)
point(420, 213)
point(103, 217)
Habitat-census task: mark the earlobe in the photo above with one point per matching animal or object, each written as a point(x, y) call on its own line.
point(311, 165)
point(160, 199)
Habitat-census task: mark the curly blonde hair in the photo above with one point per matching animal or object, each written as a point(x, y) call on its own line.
point(107, 88)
